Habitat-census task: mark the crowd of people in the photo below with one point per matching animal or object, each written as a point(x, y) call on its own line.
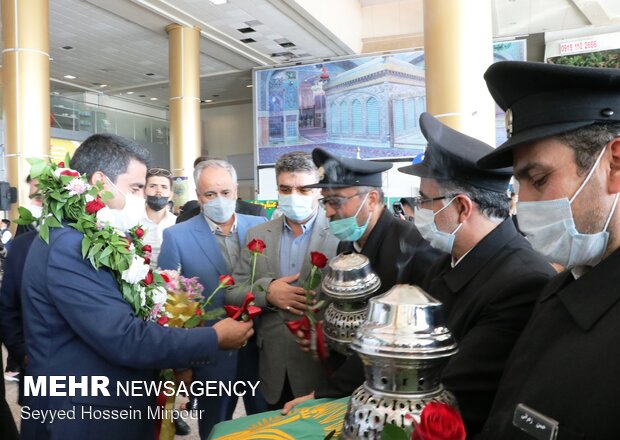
point(534, 344)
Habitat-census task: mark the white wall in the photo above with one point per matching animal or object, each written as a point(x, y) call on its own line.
point(401, 17)
point(227, 134)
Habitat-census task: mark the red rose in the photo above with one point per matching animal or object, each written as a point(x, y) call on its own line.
point(61, 164)
point(147, 260)
point(318, 259)
point(439, 421)
point(198, 311)
point(163, 320)
point(147, 248)
point(94, 205)
point(257, 246)
point(226, 280)
point(70, 173)
point(139, 233)
point(164, 276)
point(149, 278)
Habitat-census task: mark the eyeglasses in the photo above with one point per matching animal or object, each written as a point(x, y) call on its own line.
point(337, 202)
point(159, 172)
point(418, 201)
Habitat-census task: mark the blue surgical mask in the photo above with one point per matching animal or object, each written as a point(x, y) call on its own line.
point(347, 229)
point(297, 208)
point(425, 222)
point(550, 227)
point(220, 210)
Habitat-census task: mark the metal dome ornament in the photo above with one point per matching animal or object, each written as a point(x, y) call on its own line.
point(404, 345)
point(349, 282)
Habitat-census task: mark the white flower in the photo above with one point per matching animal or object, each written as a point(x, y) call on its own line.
point(159, 295)
point(77, 186)
point(142, 296)
point(137, 270)
point(89, 198)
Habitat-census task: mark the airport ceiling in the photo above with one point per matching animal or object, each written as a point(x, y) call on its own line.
point(120, 47)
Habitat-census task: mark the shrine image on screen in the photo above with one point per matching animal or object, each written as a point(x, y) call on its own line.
point(365, 107)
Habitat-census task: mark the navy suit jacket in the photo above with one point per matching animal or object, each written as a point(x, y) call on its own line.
point(77, 323)
point(191, 246)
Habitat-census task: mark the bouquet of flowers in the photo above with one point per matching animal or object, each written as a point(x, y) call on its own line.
point(309, 325)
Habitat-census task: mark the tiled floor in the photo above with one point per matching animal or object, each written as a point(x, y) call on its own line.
point(12, 391)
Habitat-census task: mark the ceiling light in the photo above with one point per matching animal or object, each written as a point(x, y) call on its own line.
point(208, 100)
point(153, 99)
point(70, 77)
point(129, 93)
point(103, 85)
point(218, 2)
point(249, 85)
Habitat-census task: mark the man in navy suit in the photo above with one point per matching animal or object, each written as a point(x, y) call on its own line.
point(77, 323)
point(208, 246)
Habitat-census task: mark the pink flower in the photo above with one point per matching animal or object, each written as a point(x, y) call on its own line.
point(77, 186)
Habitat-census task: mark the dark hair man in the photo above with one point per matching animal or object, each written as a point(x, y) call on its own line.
point(564, 144)
point(77, 323)
point(491, 278)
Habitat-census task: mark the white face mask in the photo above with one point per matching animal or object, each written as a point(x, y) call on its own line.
point(550, 227)
point(297, 208)
point(35, 210)
point(220, 210)
point(126, 218)
point(425, 222)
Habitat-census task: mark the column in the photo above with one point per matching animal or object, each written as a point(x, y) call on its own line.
point(184, 72)
point(25, 74)
point(458, 47)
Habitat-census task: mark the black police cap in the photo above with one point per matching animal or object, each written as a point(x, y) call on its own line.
point(452, 155)
point(342, 172)
point(543, 100)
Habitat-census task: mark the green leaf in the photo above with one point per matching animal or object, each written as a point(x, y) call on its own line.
point(315, 280)
point(67, 160)
point(192, 322)
point(52, 222)
point(37, 166)
point(393, 432)
point(44, 233)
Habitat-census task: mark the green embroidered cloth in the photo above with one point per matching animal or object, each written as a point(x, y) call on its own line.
point(312, 420)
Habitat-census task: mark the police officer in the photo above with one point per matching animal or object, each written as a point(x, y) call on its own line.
point(491, 276)
point(562, 380)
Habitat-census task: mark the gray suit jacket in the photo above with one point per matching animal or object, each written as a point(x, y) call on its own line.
point(279, 354)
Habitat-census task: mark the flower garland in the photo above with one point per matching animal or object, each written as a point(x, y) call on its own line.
point(68, 199)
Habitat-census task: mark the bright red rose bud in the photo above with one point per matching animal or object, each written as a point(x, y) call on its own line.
point(439, 421)
point(147, 260)
point(257, 246)
point(147, 248)
point(198, 311)
point(94, 205)
point(149, 278)
point(165, 277)
point(139, 232)
point(226, 280)
point(70, 173)
point(318, 259)
point(61, 164)
point(163, 320)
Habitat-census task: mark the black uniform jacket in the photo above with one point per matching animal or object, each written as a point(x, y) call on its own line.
point(399, 255)
point(566, 364)
point(488, 298)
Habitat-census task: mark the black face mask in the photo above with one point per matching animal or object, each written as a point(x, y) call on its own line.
point(156, 203)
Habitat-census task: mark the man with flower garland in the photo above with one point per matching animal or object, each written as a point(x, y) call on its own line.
point(284, 370)
point(208, 246)
point(76, 320)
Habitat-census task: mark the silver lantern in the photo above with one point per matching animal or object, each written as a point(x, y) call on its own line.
point(349, 282)
point(404, 346)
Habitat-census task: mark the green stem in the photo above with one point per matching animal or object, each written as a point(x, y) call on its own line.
point(254, 255)
point(208, 301)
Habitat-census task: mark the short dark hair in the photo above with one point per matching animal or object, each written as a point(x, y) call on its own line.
point(109, 154)
point(296, 161)
point(491, 204)
point(159, 172)
point(7, 222)
point(587, 142)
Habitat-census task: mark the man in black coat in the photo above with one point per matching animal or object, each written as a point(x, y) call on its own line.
point(491, 278)
point(354, 203)
point(561, 380)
